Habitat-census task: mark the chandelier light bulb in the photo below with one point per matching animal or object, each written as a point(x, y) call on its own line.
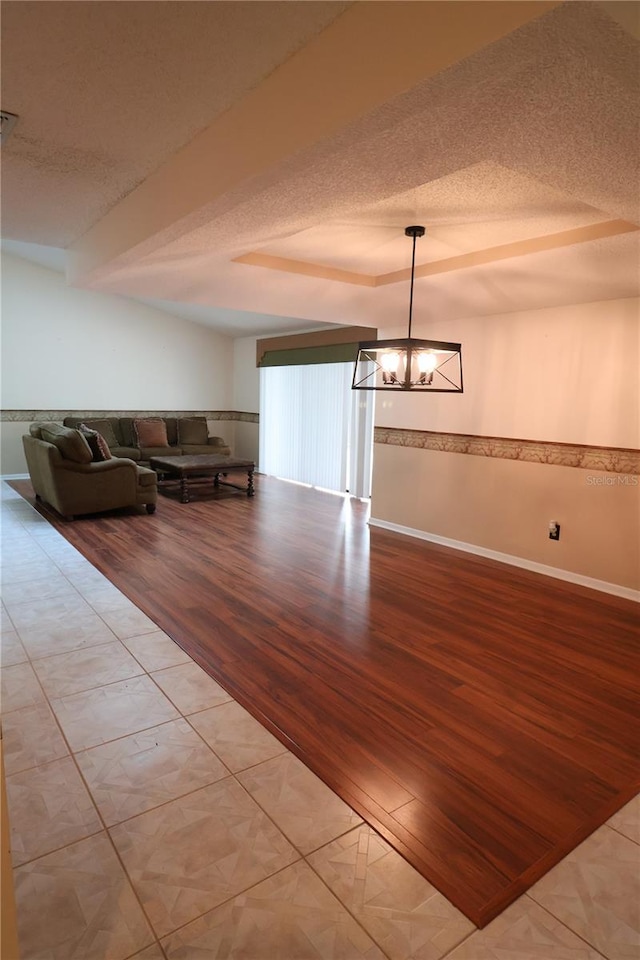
point(427, 362)
point(390, 361)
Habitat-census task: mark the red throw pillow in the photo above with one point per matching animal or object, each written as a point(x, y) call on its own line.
point(102, 446)
point(99, 446)
point(151, 433)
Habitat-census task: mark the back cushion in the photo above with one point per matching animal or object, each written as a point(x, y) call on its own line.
point(172, 430)
point(127, 433)
point(192, 431)
point(35, 429)
point(106, 428)
point(151, 433)
point(99, 446)
point(71, 444)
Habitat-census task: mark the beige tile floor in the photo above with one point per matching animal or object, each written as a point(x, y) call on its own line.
point(152, 817)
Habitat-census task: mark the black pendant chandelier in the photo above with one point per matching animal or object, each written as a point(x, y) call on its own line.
point(409, 364)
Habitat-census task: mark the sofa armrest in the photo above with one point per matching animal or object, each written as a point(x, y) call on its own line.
point(99, 467)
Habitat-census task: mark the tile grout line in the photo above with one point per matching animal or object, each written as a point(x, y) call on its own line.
point(465, 939)
point(104, 830)
point(31, 660)
point(251, 766)
point(301, 857)
point(304, 857)
point(565, 925)
point(145, 672)
point(50, 699)
point(620, 832)
point(64, 846)
point(341, 902)
point(229, 899)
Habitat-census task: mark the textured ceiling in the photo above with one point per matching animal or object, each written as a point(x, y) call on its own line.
point(107, 91)
point(479, 207)
point(526, 136)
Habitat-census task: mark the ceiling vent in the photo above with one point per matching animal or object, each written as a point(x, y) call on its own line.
point(7, 123)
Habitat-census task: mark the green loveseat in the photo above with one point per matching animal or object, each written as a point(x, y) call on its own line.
point(185, 435)
point(64, 474)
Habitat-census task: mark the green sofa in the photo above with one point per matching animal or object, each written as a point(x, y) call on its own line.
point(64, 474)
point(185, 435)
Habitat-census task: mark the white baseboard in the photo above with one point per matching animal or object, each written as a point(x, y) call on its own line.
point(602, 585)
point(14, 476)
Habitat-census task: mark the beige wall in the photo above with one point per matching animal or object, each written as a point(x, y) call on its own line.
point(246, 441)
point(246, 397)
point(246, 376)
point(64, 348)
point(12, 460)
point(69, 348)
point(564, 375)
point(568, 374)
point(506, 505)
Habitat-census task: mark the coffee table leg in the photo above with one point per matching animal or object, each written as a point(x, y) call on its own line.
point(184, 490)
point(250, 490)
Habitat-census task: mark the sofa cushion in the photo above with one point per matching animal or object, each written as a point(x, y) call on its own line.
point(106, 427)
point(35, 429)
point(192, 431)
point(151, 432)
point(127, 432)
point(147, 452)
point(98, 444)
point(191, 449)
point(131, 453)
point(218, 445)
point(172, 430)
point(71, 443)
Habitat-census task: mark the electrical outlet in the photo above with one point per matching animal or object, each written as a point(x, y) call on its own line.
point(554, 530)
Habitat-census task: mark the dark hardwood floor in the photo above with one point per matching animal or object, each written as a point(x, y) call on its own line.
point(482, 718)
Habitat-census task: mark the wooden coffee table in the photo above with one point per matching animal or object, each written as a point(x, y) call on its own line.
point(201, 467)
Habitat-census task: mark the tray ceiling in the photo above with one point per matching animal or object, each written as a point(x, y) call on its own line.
point(528, 131)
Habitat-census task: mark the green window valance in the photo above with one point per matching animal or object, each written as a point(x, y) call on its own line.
point(335, 353)
point(338, 345)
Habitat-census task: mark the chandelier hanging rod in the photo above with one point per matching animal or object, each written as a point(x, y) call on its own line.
point(414, 232)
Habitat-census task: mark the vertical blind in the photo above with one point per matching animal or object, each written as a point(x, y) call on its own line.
point(305, 419)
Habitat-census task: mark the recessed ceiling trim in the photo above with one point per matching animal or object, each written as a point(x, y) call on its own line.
point(508, 251)
point(505, 251)
point(287, 265)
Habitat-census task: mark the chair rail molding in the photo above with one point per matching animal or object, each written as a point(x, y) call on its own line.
point(583, 456)
point(18, 416)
